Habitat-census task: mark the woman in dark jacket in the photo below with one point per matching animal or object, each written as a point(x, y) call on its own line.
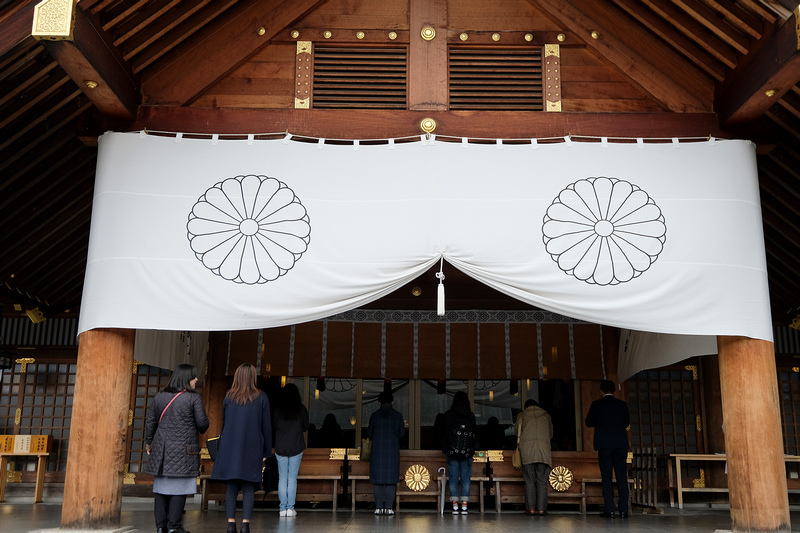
point(174, 420)
point(291, 421)
point(386, 428)
point(244, 444)
point(458, 446)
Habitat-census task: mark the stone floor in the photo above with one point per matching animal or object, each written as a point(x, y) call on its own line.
point(18, 515)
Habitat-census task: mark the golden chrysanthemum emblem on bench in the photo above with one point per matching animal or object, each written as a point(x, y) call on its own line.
point(561, 478)
point(417, 478)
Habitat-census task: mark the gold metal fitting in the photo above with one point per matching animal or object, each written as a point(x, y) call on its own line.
point(463, 36)
point(327, 34)
point(495, 37)
point(262, 30)
point(595, 34)
point(392, 35)
point(416, 290)
point(295, 34)
point(428, 33)
point(360, 35)
point(529, 37)
point(770, 93)
point(90, 84)
point(427, 125)
point(561, 37)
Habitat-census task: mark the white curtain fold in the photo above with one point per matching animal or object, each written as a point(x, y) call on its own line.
point(237, 234)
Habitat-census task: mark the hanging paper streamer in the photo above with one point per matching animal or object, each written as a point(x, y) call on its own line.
point(440, 290)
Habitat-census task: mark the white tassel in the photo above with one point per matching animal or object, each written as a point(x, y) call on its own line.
point(440, 290)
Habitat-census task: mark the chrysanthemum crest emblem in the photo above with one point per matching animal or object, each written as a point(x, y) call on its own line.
point(604, 231)
point(249, 229)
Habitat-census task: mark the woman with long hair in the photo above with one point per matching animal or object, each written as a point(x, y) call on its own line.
point(458, 446)
point(175, 419)
point(291, 421)
point(244, 444)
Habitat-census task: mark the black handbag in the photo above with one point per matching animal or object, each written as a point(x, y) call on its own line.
point(213, 447)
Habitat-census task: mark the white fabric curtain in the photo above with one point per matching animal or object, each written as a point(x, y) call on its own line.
point(214, 234)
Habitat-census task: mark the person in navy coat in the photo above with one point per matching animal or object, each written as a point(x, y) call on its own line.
point(386, 428)
point(244, 444)
point(610, 419)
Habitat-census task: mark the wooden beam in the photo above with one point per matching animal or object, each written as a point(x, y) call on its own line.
point(775, 67)
point(369, 123)
point(609, 43)
point(220, 49)
point(427, 59)
point(96, 67)
point(15, 25)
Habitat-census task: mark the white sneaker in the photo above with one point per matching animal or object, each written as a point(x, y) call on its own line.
point(464, 508)
point(283, 513)
point(389, 511)
point(455, 507)
point(291, 512)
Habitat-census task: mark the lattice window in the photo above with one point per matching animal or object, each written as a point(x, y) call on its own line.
point(509, 79)
point(789, 382)
point(664, 406)
point(359, 78)
point(146, 383)
point(41, 399)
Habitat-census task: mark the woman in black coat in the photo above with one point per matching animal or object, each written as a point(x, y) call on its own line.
point(458, 447)
point(244, 444)
point(175, 418)
point(386, 428)
point(291, 421)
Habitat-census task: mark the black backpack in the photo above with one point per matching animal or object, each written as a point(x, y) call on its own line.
point(460, 439)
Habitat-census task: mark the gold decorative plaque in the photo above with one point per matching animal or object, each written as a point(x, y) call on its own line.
point(417, 478)
point(561, 478)
point(337, 454)
point(24, 362)
point(54, 20)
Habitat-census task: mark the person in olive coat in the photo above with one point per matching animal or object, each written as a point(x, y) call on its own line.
point(174, 420)
point(244, 444)
point(386, 428)
point(535, 431)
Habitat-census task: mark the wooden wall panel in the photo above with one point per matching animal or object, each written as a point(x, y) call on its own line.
point(308, 349)
point(557, 363)
point(463, 351)
point(399, 350)
point(588, 359)
point(243, 349)
point(361, 15)
point(340, 349)
point(265, 81)
point(524, 351)
point(431, 351)
point(493, 350)
point(367, 358)
point(276, 351)
point(588, 85)
point(508, 15)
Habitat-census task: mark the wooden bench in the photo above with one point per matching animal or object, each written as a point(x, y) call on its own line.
point(318, 480)
point(508, 486)
point(25, 446)
point(676, 487)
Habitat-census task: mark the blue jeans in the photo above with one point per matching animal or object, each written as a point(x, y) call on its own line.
point(459, 469)
point(287, 479)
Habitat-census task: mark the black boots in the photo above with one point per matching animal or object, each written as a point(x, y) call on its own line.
point(231, 527)
point(245, 527)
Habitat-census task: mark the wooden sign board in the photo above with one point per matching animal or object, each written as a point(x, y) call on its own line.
point(6, 443)
point(22, 444)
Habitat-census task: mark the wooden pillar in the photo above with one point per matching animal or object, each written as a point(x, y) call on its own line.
point(753, 438)
point(96, 460)
point(427, 59)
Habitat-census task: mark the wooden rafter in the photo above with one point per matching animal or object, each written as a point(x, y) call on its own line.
point(89, 57)
point(16, 25)
point(220, 49)
point(611, 45)
point(753, 89)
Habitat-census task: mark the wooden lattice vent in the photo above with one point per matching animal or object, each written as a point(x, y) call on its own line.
point(496, 79)
point(359, 78)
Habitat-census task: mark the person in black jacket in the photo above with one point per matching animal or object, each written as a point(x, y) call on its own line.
point(244, 444)
point(610, 418)
point(386, 428)
point(175, 418)
point(459, 427)
point(291, 421)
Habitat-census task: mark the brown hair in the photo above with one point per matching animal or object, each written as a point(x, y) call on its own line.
point(244, 388)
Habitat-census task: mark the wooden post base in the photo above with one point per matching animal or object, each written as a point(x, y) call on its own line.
point(753, 435)
point(96, 461)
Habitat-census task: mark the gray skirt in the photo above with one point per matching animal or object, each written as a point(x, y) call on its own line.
point(175, 486)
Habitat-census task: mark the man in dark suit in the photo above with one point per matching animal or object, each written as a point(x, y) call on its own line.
point(610, 418)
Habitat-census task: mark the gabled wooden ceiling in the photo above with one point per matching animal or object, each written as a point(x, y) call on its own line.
point(735, 63)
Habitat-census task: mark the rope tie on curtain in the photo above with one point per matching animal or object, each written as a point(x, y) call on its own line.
point(440, 290)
